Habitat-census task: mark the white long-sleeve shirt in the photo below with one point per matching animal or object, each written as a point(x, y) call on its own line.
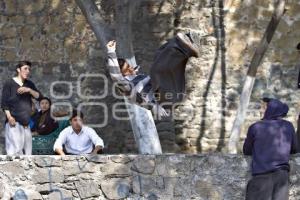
point(114, 70)
point(81, 143)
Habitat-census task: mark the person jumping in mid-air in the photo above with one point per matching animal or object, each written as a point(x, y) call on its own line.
point(167, 74)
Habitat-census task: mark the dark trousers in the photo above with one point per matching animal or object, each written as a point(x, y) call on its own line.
point(298, 134)
point(270, 186)
point(168, 70)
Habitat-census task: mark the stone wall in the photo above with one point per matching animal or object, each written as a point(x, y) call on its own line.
point(203, 177)
point(215, 80)
point(54, 35)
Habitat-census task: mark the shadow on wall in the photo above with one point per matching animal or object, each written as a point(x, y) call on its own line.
point(238, 28)
point(220, 53)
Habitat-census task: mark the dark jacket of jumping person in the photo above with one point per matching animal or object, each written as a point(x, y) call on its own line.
point(168, 70)
point(271, 140)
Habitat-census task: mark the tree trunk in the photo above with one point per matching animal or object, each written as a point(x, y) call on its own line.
point(102, 31)
point(250, 78)
point(142, 122)
point(141, 119)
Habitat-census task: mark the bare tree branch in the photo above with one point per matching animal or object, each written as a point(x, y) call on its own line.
point(142, 123)
point(250, 78)
point(266, 40)
point(124, 32)
point(102, 31)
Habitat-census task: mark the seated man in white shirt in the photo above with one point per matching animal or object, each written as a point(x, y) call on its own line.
point(78, 139)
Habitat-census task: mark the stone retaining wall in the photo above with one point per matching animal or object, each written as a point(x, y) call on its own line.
point(134, 177)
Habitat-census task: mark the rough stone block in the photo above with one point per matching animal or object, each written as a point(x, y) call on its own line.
point(47, 161)
point(60, 193)
point(87, 189)
point(44, 175)
point(116, 188)
point(115, 169)
point(144, 165)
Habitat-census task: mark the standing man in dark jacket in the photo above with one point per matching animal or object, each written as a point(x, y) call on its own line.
point(270, 142)
point(16, 102)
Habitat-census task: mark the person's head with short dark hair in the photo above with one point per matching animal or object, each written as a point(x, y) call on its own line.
point(45, 104)
point(76, 120)
point(23, 63)
point(125, 68)
point(76, 113)
point(23, 69)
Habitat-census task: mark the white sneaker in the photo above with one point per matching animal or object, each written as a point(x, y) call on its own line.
point(187, 41)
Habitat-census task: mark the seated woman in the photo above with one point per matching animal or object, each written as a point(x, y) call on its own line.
point(45, 129)
point(42, 122)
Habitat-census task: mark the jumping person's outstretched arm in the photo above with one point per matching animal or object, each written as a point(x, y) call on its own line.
point(114, 69)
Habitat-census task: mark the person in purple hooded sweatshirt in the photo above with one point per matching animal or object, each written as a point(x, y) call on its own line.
point(270, 141)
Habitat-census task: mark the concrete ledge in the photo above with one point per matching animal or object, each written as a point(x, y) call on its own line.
point(169, 176)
